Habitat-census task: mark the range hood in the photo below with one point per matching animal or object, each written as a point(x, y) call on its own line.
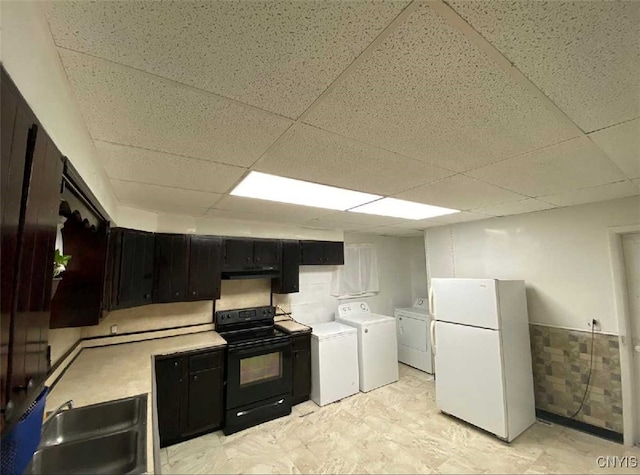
point(250, 272)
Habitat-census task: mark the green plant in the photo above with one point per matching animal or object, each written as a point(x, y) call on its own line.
point(60, 262)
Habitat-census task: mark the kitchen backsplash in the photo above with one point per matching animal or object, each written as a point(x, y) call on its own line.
point(560, 371)
point(235, 294)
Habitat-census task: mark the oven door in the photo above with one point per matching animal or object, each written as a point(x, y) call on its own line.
point(258, 371)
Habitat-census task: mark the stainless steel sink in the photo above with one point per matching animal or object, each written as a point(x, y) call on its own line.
point(108, 454)
point(106, 438)
point(90, 421)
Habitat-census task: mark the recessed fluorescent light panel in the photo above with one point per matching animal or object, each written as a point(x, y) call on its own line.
point(403, 209)
point(287, 190)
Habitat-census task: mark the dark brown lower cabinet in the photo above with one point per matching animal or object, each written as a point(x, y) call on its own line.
point(189, 394)
point(301, 346)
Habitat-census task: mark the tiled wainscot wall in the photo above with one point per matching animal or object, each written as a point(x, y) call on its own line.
point(560, 370)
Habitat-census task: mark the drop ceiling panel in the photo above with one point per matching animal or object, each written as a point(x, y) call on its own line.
point(326, 224)
point(459, 192)
point(570, 165)
point(585, 56)
point(272, 208)
point(129, 107)
point(428, 93)
point(163, 199)
point(461, 217)
point(311, 154)
point(147, 166)
point(516, 207)
point(361, 218)
point(278, 56)
point(592, 194)
point(247, 216)
point(394, 231)
point(622, 144)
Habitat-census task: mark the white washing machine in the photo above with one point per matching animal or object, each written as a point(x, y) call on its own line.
point(377, 344)
point(334, 362)
point(414, 345)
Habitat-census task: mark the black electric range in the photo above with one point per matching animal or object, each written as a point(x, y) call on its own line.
point(258, 370)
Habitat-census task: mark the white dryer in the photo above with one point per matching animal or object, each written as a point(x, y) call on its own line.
point(414, 345)
point(334, 362)
point(377, 344)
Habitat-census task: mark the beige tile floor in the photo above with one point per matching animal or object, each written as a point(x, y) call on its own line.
point(394, 429)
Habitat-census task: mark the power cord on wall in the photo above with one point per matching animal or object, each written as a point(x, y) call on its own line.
point(586, 389)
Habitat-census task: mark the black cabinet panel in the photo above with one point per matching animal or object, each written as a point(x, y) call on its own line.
point(238, 252)
point(321, 253)
point(289, 273)
point(333, 253)
point(301, 367)
point(311, 253)
point(168, 383)
point(190, 394)
point(204, 268)
point(205, 403)
point(266, 252)
point(170, 268)
point(135, 262)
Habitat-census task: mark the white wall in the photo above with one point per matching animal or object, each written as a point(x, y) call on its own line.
point(562, 254)
point(401, 261)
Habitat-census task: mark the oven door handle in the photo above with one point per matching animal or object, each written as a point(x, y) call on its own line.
point(260, 349)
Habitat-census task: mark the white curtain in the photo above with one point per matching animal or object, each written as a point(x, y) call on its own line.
point(358, 277)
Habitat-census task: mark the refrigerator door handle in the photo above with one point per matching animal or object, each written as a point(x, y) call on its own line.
point(430, 300)
point(432, 336)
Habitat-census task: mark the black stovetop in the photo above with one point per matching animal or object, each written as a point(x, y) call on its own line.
point(253, 335)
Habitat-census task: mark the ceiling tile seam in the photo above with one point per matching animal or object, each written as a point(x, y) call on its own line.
point(472, 178)
point(251, 168)
point(78, 109)
point(181, 84)
point(166, 186)
point(541, 197)
point(608, 157)
point(179, 155)
point(362, 57)
point(474, 210)
point(610, 126)
point(378, 147)
point(522, 154)
point(456, 21)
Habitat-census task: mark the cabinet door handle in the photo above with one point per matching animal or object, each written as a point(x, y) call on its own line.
point(257, 259)
point(193, 293)
point(248, 259)
point(175, 364)
point(195, 378)
point(177, 294)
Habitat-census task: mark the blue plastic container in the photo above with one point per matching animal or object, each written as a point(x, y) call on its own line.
point(19, 445)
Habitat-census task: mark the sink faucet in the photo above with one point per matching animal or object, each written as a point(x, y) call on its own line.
point(68, 404)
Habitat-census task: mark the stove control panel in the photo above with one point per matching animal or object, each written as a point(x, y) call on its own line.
point(244, 315)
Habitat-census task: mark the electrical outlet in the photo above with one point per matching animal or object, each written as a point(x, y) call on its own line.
point(114, 329)
point(595, 323)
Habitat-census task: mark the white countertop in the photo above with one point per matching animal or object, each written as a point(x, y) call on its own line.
point(117, 371)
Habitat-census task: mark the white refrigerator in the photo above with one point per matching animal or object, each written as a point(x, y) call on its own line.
point(482, 352)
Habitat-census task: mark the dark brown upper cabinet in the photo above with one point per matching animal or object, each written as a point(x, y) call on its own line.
point(289, 281)
point(204, 268)
point(266, 252)
point(31, 177)
point(131, 267)
point(171, 268)
point(239, 252)
point(321, 253)
point(80, 295)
